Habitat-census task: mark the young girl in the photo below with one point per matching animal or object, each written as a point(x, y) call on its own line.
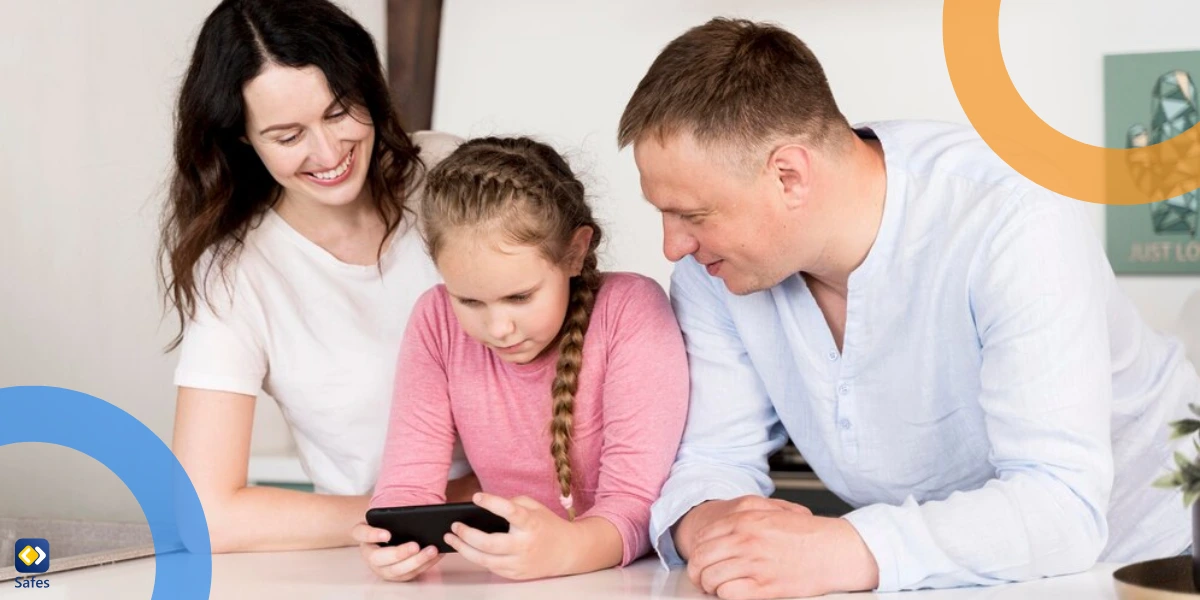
point(567, 386)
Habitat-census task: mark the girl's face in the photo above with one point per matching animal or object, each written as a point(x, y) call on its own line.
point(508, 296)
point(312, 146)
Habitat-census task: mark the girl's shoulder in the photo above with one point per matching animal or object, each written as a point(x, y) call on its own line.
point(434, 304)
point(620, 290)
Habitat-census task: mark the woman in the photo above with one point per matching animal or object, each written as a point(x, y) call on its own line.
point(292, 264)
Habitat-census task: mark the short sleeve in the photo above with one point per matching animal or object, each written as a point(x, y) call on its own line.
point(223, 347)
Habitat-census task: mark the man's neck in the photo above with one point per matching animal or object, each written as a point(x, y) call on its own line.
point(857, 194)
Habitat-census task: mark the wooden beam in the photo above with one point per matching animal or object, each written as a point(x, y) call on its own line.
point(412, 40)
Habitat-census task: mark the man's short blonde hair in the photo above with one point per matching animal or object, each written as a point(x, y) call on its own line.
point(733, 82)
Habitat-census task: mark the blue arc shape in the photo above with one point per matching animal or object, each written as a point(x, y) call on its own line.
point(183, 553)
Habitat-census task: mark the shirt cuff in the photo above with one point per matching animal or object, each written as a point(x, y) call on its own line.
point(668, 510)
point(220, 383)
point(878, 529)
point(630, 550)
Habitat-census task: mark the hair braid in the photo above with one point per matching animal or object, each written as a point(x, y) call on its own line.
point(566, 379)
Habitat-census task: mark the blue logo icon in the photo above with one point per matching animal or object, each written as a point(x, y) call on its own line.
point(31, 555)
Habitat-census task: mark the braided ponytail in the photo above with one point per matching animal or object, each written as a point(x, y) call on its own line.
point(566, 378)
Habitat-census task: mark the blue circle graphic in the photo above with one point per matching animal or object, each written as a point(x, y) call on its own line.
point(183, 556)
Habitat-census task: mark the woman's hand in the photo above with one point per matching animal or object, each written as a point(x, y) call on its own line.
point(538, 542)
point(393, 563)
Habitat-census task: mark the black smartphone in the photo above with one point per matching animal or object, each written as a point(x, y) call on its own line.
point(426, 524)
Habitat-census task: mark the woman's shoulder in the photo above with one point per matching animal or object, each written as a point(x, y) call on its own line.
point(435, 145)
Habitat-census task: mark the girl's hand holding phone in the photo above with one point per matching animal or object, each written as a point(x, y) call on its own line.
point(538, 542)
point(393, 563)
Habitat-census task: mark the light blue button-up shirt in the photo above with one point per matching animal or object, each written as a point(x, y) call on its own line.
point(992, 380)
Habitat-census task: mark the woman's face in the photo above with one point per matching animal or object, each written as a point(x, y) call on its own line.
point(309, 143)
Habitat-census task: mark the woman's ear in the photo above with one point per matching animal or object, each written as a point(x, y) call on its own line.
point(581, 242)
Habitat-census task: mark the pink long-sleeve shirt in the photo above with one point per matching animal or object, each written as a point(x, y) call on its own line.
point(629, 414)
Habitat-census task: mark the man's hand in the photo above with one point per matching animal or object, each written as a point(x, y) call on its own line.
point(777, 550)
point(707, 513)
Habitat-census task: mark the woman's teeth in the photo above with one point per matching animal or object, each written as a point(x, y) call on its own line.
point(337, 172)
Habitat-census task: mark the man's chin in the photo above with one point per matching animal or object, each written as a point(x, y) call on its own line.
point(742, 287)
point(736, 286)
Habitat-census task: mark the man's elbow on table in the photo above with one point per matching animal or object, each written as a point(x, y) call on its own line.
point(1080, 540)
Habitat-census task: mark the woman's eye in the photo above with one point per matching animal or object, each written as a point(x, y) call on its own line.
point(337, 115)
point(519, 298)
point(289, 140)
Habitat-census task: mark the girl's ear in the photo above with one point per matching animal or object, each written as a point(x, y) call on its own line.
point(581, 241)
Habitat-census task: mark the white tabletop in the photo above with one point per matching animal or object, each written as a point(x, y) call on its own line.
point(340, 574)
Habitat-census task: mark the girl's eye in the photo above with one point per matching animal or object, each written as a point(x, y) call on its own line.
point(468, 302)
point(519, 298)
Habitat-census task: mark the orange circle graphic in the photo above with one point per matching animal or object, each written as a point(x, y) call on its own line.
point(971, 39)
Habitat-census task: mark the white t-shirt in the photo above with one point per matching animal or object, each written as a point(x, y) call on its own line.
point(319, 335)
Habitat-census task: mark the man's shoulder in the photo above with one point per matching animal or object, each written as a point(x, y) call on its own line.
point(952, 179)
point(942, 152)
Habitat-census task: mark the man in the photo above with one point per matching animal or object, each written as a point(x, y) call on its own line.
point(942, 339)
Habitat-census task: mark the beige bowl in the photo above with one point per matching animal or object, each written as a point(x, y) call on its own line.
point(1161, 579)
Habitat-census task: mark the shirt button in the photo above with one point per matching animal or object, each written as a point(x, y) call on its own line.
point(833, 355)
point(844, 423)
point(844, 389)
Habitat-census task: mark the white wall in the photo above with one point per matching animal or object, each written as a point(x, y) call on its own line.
point(85, 133)
point(564, 70)
point(85, 144)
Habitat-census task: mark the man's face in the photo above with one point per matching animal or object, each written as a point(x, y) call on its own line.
point(729, 218)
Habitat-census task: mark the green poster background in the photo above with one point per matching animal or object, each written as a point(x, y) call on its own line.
point(1133, 245)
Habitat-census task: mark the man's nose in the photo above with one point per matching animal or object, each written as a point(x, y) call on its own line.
point(676, 242)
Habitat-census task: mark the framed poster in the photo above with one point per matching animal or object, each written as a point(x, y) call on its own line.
point(1150, 98)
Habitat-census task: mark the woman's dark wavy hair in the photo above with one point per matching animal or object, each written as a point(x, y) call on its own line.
point(219, 187)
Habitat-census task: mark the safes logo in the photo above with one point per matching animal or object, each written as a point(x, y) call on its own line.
point(32, 555)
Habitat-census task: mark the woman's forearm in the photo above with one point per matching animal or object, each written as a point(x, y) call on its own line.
point(596, 544)
point(255, 519)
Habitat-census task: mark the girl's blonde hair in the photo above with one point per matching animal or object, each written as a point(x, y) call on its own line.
point(524, 189)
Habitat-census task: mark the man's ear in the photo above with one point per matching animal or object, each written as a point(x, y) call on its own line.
point(581, 241)
point(792, 166)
